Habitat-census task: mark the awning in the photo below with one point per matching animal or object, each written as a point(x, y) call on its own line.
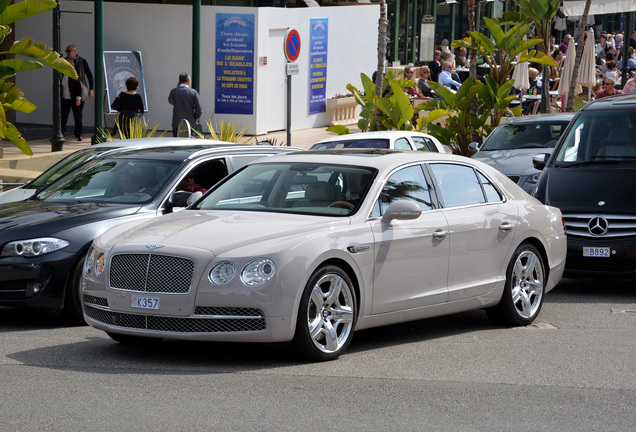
point(598, 7)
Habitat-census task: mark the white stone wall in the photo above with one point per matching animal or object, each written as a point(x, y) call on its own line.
point(163, 34)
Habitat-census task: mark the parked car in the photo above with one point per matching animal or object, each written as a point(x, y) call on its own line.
point(43, 240)
point(81, 156)
point(309, 247)
point(510, 147)
point(398, 140)
point(590, 177)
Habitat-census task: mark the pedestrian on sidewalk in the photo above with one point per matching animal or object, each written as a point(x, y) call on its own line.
point(85, 81)
point(186, 103)
point(129, 104)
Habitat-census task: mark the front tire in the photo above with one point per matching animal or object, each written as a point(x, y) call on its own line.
point(327, 315)
point(72, 296)
point(522, 297)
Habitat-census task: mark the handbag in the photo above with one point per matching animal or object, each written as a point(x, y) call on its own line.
point(84, 92)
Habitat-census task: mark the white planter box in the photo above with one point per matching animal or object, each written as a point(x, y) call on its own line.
point(342, 111)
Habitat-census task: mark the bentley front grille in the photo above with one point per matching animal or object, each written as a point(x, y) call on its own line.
point(151, 273)
point(603, 225)
point(205, 320)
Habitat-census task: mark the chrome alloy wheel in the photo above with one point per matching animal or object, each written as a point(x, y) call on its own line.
point(527, 284)
point(330, 313)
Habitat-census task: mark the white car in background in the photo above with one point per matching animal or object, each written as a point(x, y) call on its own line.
point(394, 140)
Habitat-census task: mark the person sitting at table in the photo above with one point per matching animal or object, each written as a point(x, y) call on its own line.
point(608, 89)
point(422, 84)
point(535, 83)
point(446, 78)
point(631, 61)
point(436, 66)
point(612, 71)
point(413, 91)
point(461, 59)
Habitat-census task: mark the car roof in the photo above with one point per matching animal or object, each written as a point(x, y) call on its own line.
point(390, 134)
point(540, 118)
point(617, 102)
point(377, 158)
point(182, 151)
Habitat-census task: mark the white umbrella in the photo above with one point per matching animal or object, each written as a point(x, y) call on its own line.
point(521, 77)
point(568, 67)
point(587, 68)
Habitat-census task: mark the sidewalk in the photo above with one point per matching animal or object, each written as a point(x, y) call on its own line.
point(16, 167)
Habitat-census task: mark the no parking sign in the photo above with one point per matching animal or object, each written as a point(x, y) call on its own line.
point(292, 45)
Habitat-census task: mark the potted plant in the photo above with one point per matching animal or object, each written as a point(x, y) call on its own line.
point(341, 109)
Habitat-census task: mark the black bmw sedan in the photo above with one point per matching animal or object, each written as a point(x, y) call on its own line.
point(44, 239)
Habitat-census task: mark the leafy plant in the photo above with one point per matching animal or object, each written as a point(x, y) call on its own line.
point(11, 97)
point(225, 131)
point(137, 128)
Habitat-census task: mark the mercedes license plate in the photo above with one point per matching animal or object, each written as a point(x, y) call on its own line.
point(596, 252)
point(144, 302)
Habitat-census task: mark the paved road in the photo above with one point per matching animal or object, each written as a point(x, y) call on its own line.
point(574, 370)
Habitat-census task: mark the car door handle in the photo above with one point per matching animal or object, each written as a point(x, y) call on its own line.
point(440, 234)
point(506, 226)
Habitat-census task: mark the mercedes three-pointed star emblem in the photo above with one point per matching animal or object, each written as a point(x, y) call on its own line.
point(597, 226)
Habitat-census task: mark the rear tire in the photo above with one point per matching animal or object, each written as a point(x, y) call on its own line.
point(327, 315)
point(522, 297)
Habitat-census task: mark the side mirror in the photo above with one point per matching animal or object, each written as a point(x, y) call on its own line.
point(401, 210)
point(178, 199)
point(473, 148)
point(539, 160)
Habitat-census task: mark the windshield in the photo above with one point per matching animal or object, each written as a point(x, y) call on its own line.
point(305, 188)
point(375, 143)
point(600, 137)
point(513, 136)
point(112, 180)
point(67, 164)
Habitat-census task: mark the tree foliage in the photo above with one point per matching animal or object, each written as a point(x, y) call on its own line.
point(11, 97)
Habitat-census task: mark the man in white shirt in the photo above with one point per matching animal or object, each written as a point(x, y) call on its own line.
point(446, 79)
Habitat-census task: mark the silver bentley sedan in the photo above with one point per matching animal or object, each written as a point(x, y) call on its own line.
point(309, 247)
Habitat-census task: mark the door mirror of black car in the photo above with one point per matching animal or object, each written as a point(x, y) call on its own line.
point(539, 160)
point(401, 210)
point(473, 148)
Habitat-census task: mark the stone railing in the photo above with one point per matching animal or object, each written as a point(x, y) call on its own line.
point(342, 111)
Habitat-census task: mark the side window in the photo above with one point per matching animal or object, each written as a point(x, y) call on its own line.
point(402, 144)
point(491, 192)
point(406, 184)
point(420, 143)
point(458, 185)
point(203, 176)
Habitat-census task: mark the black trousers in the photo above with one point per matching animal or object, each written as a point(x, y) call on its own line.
point(68, 105)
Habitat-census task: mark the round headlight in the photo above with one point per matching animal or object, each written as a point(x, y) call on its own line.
point(258, 272)
point(100, 265)
point(222, 273)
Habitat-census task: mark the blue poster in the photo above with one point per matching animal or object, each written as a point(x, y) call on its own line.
point(234, 89)
point(318, 38)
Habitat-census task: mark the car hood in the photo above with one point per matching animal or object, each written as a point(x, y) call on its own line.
point(218, 231)
point(511, 162)
point(607, 188)
point(35, 218)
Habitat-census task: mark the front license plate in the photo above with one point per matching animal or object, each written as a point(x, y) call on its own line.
point(144, 302)
point(596, 252)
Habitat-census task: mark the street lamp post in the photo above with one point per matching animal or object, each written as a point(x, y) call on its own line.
point(57, 139)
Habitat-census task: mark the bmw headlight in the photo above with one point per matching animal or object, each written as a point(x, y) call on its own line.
point(222, 273)
point(258, 271)
point(33, 247)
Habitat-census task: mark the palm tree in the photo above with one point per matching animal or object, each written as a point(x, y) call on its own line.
point(383, 24)
point(579, 54)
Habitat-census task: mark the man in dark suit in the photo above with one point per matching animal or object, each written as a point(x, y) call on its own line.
point(186, 103)
point(70, 104)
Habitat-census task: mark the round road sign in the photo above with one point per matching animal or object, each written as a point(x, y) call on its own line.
point(292, 45)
